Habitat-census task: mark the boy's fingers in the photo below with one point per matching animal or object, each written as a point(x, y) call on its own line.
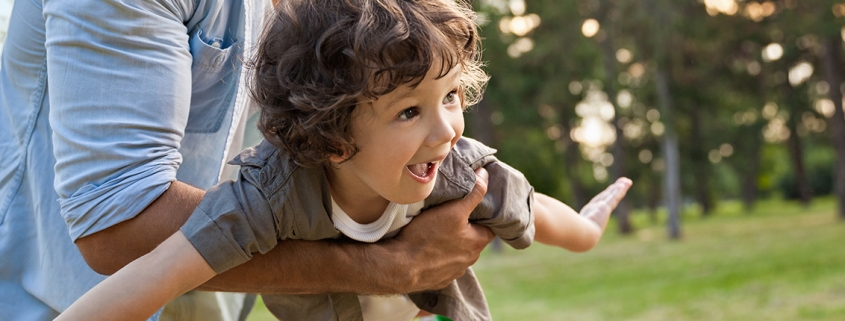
point(610, 197)
point(620, 188)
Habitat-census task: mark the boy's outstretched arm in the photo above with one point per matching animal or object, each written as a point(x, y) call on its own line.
point(142, 287)
point(559, 225)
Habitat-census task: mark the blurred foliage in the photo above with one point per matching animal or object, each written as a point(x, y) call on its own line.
point(751, 108)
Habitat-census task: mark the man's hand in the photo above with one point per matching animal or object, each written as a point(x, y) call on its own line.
point(440, 243)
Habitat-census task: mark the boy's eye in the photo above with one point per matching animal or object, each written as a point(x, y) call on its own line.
point(451, 97)
point(409, 113)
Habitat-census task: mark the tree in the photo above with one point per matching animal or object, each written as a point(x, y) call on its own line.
point(607, 16)
point(825, 20)
point(832, 61)
point(662, 12)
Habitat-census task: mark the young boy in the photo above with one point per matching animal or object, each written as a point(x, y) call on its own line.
point(362, 110)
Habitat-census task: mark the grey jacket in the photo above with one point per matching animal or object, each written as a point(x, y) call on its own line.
point(232, 223)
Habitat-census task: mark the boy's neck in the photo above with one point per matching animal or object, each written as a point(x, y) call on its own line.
point(363, 208)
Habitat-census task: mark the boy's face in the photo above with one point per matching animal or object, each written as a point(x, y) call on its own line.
point(402, 137)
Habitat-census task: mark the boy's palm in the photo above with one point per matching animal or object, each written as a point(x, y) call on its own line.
point(600, 207)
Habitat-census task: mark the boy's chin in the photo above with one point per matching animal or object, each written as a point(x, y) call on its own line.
point(409, 200)
point(417, 197)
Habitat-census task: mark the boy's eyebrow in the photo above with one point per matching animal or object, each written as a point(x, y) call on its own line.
point(455, 72)
point(402, 96)
point(391, 104)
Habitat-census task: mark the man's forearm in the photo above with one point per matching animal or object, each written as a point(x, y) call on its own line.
point(434, 249)
point(111, 249)
point(310, 267)
point(292, 267)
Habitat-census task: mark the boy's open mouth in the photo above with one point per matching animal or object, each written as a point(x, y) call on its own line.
point(422, 171)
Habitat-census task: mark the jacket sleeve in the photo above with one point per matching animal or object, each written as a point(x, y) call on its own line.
point(272, 200)
point(233, 222)
point(508, 207)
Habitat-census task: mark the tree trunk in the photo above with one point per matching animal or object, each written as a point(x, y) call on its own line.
point(751, 170)
point(572, 160)
point(752, 140)
point(617, 170)
point(833, 74)
point(671, 156)
point(796, 150)
point(701, 166)
point(654, 201)
point(661, 28)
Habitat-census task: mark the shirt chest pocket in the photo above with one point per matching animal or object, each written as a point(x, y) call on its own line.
point(215, 71)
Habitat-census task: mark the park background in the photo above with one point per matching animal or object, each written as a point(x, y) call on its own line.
point(727, 115)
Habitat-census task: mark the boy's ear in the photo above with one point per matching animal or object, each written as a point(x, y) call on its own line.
point(337, 159)
point(340, 158)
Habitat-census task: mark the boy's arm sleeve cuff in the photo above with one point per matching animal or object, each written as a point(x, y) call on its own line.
point(232, 223)
point(508, 207)
point(216, 247)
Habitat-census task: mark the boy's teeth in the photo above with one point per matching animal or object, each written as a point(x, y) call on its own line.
point(419, 169)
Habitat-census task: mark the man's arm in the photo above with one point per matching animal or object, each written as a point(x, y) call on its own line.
point(434, 249)
point(109, 250)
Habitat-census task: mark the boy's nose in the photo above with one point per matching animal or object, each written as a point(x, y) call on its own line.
point(443, 130)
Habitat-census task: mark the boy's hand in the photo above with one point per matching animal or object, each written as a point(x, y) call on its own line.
point(559, 225)
point(440, 243)
point(599, 208)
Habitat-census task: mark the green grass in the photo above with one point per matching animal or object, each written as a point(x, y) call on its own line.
point(780, 262)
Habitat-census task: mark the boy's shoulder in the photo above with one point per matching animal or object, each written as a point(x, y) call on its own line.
point(256, 156)
point(271, 169)
point(473, 153)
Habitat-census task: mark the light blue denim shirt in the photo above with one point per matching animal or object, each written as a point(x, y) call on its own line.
point(102, 105)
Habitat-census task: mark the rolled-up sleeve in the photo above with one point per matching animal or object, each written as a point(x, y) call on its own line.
point(508, 207)
point(119, 91)
point(232, 223)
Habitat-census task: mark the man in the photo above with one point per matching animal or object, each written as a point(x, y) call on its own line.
point(115, 116)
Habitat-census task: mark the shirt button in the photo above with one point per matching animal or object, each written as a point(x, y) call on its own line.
point(216, 44)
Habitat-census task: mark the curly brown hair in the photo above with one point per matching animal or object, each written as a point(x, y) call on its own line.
point(317, 59)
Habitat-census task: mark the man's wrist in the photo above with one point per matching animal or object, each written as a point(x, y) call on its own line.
point(403, 274)
point(384, 268)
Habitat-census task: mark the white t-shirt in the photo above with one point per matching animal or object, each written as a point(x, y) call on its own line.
point(395, 216)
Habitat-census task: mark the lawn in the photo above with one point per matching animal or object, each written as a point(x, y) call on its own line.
point(780, 262)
